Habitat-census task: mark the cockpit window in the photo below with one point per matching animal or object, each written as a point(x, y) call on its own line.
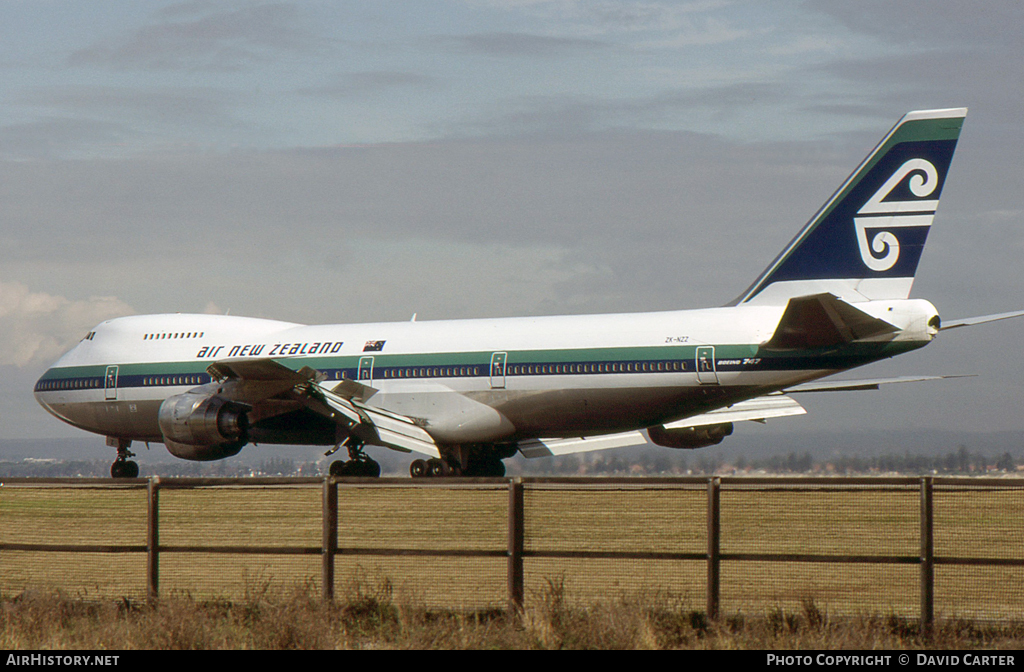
point(89, 336)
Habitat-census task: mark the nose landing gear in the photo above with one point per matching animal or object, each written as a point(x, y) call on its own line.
point(123, 467)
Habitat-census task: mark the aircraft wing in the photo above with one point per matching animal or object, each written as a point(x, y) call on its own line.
point(252, 381)
point(375, 426)
point(262, 382)
point(257, 370)
point(865, 384)
point(759, 409)
point(971, 321)
point(550, 447)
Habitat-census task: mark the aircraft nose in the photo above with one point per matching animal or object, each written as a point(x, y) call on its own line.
point(49, 391)
point(42, 385)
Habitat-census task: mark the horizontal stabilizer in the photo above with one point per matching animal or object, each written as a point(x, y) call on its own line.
point(758, 409)
point(867, 384)
point(971, 321)
point(822, 320)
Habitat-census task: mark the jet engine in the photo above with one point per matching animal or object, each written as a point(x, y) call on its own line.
point(689, 437)
point(202, 427)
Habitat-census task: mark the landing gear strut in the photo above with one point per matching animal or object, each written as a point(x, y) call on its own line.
point(358, 464)
point(123, 467)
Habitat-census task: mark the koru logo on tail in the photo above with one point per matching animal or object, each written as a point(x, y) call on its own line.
point(884, 249)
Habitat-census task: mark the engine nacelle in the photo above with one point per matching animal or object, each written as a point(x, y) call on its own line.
point(202, 427)
point(689, 437)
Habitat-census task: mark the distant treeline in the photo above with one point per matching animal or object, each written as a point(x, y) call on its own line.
point(101, 469)
point(649, 462)
point(706, 462)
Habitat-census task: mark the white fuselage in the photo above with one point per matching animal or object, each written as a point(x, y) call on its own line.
point(465, 381)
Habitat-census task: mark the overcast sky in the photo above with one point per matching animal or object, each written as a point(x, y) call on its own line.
point(353, 161)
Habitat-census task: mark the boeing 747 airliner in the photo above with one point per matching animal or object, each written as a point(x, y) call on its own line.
point(468, 393)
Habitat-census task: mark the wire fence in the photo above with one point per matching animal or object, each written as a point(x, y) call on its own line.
point(910, 547)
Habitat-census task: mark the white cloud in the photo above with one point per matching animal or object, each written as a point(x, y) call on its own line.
point(217, 41)
point(36, 327)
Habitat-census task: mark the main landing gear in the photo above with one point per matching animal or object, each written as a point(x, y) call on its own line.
point(432, 467)
point(123, 467)
point(488, 466)
point(358, 464)
point(483, 461)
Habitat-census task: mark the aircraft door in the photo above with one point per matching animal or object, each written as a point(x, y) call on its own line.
point(366, 370)
point(110, 384)
point(498, 370)
point(706, 374)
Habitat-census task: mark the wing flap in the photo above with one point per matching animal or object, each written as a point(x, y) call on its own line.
point(351, 389)
point(757, 409)
point(376, 426)
point(554, 447)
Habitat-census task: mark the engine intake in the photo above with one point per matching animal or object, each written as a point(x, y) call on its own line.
point(202, 427)
point(689, 437)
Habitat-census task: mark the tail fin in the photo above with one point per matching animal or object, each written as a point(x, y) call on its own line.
point(865, 242)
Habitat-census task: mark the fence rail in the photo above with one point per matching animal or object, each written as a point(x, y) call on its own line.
point(742, 530)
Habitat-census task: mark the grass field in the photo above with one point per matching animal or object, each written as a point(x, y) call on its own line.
point(861, 521)
point(369, 616)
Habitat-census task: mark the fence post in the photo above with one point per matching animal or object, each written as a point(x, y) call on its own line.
point(714, 545)
point(329, 537)
point(927, 558)
point(153, 540)
point(515, 544)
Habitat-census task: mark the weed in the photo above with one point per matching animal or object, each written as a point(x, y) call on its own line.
point(368, 617)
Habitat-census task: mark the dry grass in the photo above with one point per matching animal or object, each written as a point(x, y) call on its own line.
point(834, 520)
point(369, 618)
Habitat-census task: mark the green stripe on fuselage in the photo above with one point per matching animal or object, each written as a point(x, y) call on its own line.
point(480, 358)
point(819, 358)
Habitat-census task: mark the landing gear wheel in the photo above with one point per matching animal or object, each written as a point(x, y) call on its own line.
point(433, 468)
point(365, 468)
point(438, 468)
point(124, 469)
point(358, 464)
